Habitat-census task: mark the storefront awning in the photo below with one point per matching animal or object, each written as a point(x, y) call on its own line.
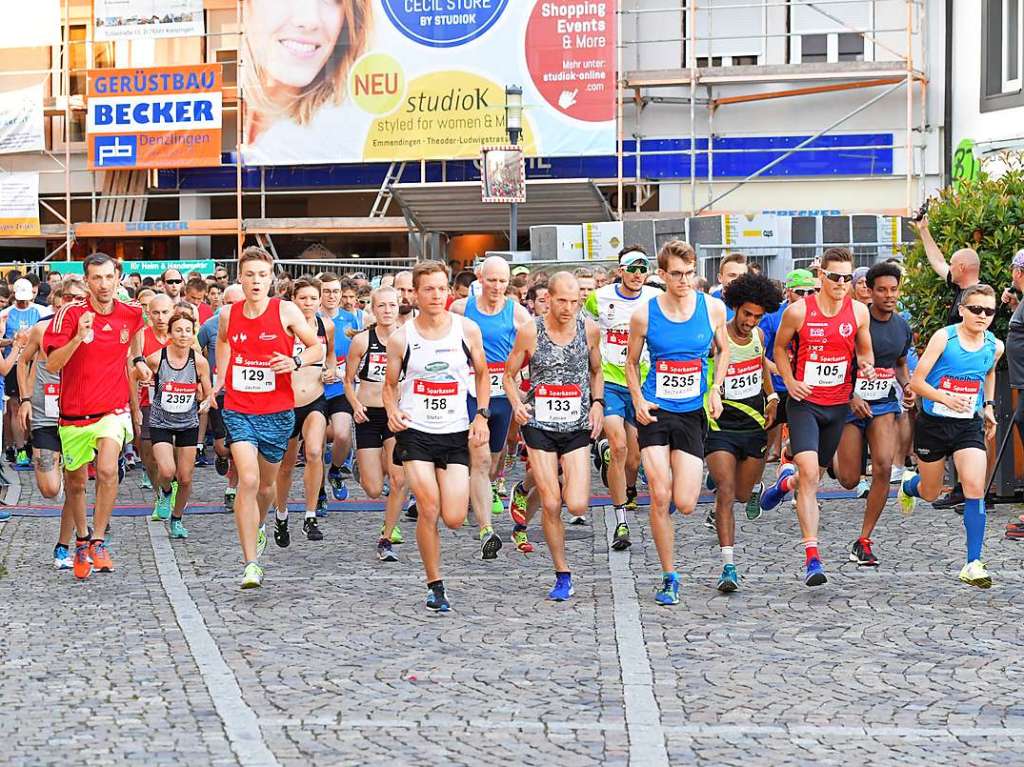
point(456, 207)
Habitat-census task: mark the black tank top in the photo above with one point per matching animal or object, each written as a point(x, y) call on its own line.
point(375, 361)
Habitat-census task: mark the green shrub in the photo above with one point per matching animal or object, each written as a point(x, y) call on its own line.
point(987, 215)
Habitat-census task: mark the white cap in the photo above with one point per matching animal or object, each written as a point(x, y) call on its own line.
point(23, 290)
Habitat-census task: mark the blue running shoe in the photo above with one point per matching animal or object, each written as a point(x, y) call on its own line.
point(339, 488)
point(5, 515)
point(321, 503)
point(729, 580)
point(815, 575)
point(437, 600)
point(563, 588)
point(774, 495)
point(668, 594)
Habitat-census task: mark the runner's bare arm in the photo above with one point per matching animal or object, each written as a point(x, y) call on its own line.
point(397, 420)
point(458, 306)
point(524, 346)
point(717, 315)
point(475, 342)
point(331, 366)
point(356, 352)
point(223, 354)
point(596, 378)
point(932, 352)
point(520, 316)
point(205, 385)
point(990, 393)
point(293, 321)
point(865, 350)
point(140, 368)
point(153, 360)
point(792, 320)
point(635, 347)
point(27, 372)
point(931, 249)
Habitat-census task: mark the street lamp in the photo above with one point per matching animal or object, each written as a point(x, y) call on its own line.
point(514, 127)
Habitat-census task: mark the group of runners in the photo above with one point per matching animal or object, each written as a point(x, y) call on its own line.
point(431, 392)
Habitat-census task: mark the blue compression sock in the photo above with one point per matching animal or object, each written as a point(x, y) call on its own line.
point(974, 524)
point(910, 486)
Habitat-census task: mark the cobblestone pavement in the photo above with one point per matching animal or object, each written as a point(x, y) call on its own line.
point(335, 661)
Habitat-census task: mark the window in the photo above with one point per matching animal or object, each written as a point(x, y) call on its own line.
point(1011, 46)
point(702, 61)
point(813, 48)
point(1002, 54)
point(851, 46)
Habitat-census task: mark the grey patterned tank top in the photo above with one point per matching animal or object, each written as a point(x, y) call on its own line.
point(175, 395)
point(45, 396)
point(560, 381)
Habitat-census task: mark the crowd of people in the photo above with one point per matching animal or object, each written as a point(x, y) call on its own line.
point(427, 387)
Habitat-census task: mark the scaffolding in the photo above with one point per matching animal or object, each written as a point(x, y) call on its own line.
point(117, 200)
point(896, 69)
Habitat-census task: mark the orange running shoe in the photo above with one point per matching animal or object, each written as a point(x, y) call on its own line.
point(101, 557)
point(82, 566)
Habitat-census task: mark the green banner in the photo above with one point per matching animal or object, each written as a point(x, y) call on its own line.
point(145, 268)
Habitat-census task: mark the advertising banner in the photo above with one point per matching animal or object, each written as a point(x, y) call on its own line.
point(29, 25)
point(144, 268)
point(135, 19)
point(161, 117)
point(425, 79)
point(19, 205)
point(21, 120)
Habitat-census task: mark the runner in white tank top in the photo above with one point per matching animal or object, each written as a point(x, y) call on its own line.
point(438, 354)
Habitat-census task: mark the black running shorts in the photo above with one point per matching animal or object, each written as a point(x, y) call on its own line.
point(438, 449)
point(679, 431)
point(816, 428)
point(375, 432)
point(559, 442)
point(319, 405)
point(936, 437)
point(741, 444)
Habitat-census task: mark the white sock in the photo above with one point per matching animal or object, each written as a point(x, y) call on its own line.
point(620, 515)
point(310, 514)
point(281, 516)
point(727, 555)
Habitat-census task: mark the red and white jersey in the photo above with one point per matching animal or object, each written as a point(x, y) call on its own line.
point(824, 353)
point(251, 386)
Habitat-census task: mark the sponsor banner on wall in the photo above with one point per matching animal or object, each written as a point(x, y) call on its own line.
point(161, 117)
point(124, 19)
point(425, 79)
point(29, 25)
point(143, 268)
point(21, 120)
point(19, 205)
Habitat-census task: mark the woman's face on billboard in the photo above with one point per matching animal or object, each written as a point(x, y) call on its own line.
point(293, 38)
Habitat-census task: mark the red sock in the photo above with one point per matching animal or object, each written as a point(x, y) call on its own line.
point(788, 484)
point(810, 551)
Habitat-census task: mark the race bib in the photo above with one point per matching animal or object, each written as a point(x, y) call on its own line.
point(377, 367)
point(825, 372)
point(880, 388)
point(743, 380)
point(965, 390)
point(677, 379)
point(435, 402)
point(558, 404)
point(51, 400)
point(616, 343)
point(495, 371)
point(252, 378)
point(178, 397)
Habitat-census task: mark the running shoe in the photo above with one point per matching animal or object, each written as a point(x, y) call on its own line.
point(312, 529)
point(563, 588)
point(412, 512)
point(517, 501)
point(229, 499)
point(605, 454)
point(22, 460)
point(772, 496)
point(339, 488)
point(82, 564)
point(620, 541)
point(497, 505)
point(709, 520)
point(5, 515)
point(521, 542)
point(252, 578)
point(906, 502)
point(753, 508)
point(709, 483)
point(815, 575)
point(62, 559)
point(641, 476)
point(345, 470)
point(221, 464)
point(863, 488)
point(321, 503)
point(385, 552)
point(162, 507)
point(595, 454)
point(729, 580)
point(437, 600)
point(145, 482)
point(861, 553)
point(130, 461)
point(9, 453)
point(668, 594)
point(201, 459)
point(178, 529)
point(396, 535)
point(122, 469)
point(975, 574)
point(385, 489)
point(501, 486)
point(490, 543)
point(950, 500)
point(895, 474)
point(281, 535)
point(631, 504)
point(261, 541)
point(101, 560)
point(578, 521)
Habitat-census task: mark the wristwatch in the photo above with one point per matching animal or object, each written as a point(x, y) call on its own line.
point(298, 361)
point(595, 400)
point(991, 402)
point(137, 360)
point(485, 412)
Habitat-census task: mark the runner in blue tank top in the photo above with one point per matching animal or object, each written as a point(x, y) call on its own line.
point(679, 329)
point(956, 380)
point(499, 317)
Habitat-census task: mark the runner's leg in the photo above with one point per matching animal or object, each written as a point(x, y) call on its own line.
point(847, 463)
point(544, 467)
point(107, 453)
point(248, 512)
point(882, 441)
point(722, 466)
point(423, 482)
point(48, 478)
point(371, 470)
point(658, 466)
point(399, 490)
point(185, 459)
point(283, 483)
point(971, 468)
point(618, 445)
